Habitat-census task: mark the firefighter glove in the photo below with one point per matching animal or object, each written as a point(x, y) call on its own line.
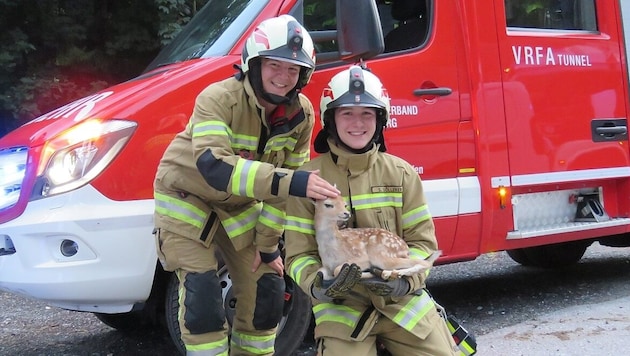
point(338, 287)
point(381, 287)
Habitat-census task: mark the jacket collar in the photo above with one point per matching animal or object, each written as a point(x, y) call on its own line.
point(354, 163)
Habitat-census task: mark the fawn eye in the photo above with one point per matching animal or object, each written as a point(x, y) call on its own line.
point(329, 205)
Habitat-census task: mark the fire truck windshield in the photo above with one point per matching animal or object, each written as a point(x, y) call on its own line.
point(213, 31)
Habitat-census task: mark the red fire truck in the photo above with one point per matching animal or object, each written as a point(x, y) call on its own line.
point(513, 112)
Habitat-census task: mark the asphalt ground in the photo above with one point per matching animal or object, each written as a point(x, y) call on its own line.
point(513, 310)
point(594, 329)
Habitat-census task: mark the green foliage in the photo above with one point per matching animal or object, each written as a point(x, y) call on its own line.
point(56, 51)
point(174, 15)
point(320, 15)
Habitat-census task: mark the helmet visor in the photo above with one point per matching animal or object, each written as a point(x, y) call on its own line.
point(292, 61)
point(364, 99)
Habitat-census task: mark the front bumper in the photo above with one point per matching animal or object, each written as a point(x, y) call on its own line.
point(115, 259)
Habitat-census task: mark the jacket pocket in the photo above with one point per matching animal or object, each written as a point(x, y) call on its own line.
point(365, 324)
point(186, 215)
point(386, 218)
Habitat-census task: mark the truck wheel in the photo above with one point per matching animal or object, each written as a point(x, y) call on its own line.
point(551, 256)
point(291, 330)
point(124, 322)
point(518, 255)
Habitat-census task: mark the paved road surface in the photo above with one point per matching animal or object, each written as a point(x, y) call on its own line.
point(514, 310)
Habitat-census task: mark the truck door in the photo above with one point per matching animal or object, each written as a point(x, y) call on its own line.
point(565, 105)
point(422, 44)
point(424, 71)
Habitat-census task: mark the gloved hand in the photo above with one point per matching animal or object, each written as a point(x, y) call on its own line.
point(381, 287)
point(338, 287)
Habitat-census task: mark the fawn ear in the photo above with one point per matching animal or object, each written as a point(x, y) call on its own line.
point(313, 201)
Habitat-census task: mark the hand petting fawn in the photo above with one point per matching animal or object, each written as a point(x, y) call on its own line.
point(369, 248)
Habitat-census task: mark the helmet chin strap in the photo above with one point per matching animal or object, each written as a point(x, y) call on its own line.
point(274, 99)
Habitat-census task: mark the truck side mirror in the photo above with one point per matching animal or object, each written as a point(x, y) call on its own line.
point(359, 31)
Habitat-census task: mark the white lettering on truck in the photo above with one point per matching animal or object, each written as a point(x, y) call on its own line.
point(393, 123)
point(545, 56)
point(404, 110)
point(418, 169)
point(401, 110)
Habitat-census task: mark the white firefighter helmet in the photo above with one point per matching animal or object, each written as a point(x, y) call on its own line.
point(284, 39)
point(355, 87)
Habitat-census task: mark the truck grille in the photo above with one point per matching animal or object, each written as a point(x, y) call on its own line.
point(12, 173)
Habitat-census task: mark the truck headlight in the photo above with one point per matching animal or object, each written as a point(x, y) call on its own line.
point(12, 172)
point(76, 156)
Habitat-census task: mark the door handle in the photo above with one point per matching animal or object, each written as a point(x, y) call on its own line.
point(609, 130)
point(433, 91)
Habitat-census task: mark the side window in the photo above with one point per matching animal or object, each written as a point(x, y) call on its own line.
point(319, 15)
point(404, 23)
point(551, 14)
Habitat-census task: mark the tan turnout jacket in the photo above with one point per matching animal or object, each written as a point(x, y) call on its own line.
point(382, 191)
point(230, 166)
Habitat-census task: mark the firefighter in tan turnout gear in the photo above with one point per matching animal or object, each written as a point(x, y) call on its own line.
point(223, 183)
point(381, 191)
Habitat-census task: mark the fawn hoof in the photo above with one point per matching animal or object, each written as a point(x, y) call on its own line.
point(391, 274)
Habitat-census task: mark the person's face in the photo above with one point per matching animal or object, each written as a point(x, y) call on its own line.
point(279, 77)
point(355, 125)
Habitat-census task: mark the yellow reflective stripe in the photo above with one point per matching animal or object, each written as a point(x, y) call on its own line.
point(377, 200)
point(278, 143)
point(255, 344)
point(180, 292)
point(466, 348)
point(242, 141)
point(299, 265)
point(336, 314)
point(244, 177)
point(179, 209)
point(461, 337)
point(272, 217)
point(296, 159)
point(418, 253)
point(416, 216)
point(413, 311)
point(245, 221)
point(217, 348)
point(298, 224)
point(213, 127)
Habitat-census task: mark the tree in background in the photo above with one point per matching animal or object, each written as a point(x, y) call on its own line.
point(56, 51)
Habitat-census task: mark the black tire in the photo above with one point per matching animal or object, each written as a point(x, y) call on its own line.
point(519, 256)
point(296, 324)
point(124, 322)
point(171, 309)
point(291, 330)
point(551, 256)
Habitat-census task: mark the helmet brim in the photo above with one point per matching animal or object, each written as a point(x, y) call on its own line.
point(298, 57)
point(349, 99)
point(292, 61)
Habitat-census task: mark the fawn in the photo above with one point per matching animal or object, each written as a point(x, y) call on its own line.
point(366, 247)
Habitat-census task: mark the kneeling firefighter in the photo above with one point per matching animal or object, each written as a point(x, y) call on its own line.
point(222, 184)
